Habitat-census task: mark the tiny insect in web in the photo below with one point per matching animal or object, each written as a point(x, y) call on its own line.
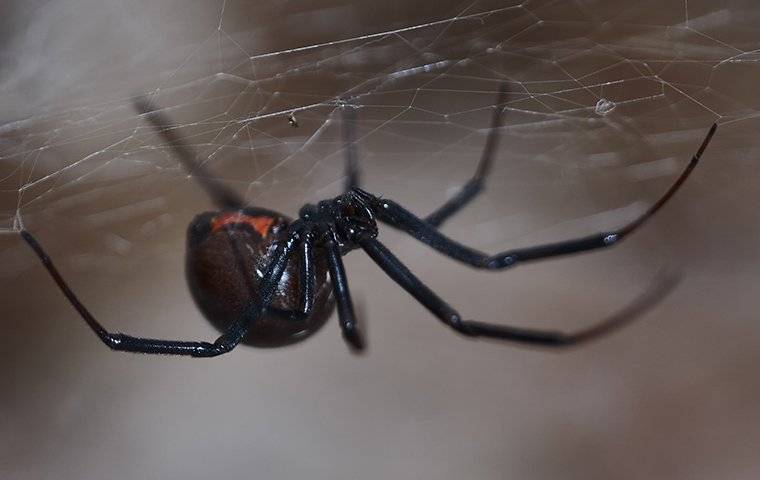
point(266, 280)
point(292, 121)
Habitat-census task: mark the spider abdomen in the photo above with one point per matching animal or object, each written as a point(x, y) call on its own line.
point(227, 256)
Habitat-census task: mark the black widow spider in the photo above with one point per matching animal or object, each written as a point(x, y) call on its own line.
point(245, 276)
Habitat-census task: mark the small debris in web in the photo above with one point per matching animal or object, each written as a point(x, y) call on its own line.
point(604, 106)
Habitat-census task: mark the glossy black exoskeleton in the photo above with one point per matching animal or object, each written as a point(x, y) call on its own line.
point(267, 281)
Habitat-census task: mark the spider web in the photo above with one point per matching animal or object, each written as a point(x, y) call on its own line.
point(608, 99)
point(601, 93)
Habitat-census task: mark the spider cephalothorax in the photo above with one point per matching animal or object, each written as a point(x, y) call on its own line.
point(348, 218)
point(265, 280)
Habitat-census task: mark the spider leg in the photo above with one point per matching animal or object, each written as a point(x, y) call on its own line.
point(394, 214)
point(128, 343)
point(267, 288)
point(348, 127)
point(348, 324)
point(409, 282)
point(222, 196)
point(307, 275)
point(475, 185)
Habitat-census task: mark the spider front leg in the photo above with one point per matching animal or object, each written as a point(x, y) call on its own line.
point(466, 193)
point(397, 216)
point(346, 315)
point(307, 278)
point(449, 316)
point(474, 186)
point(348, 127)
point(226, 342)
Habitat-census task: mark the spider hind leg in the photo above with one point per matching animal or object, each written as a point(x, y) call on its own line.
point(400, 274)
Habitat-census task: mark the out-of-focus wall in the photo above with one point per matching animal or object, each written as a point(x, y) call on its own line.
point(673, 396)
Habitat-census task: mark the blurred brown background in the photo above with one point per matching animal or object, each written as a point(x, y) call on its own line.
point(674, 396)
